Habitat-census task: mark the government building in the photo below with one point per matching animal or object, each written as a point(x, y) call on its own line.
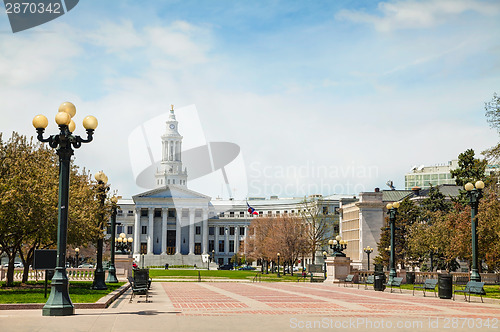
point(174, 225)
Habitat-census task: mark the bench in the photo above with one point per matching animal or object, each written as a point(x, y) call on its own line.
point(472, 287)
point(429, 284)
point(396, 282)
point(317, 277)
point(349, 279)
point(138, 288)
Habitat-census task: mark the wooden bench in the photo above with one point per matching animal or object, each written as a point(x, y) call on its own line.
point(396, 282)
point(429, 284)
point(138, 289)
point(472, 287)
point(317, 277)
point(349, 279)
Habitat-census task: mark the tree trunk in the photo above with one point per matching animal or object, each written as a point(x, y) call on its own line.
point(10, 269)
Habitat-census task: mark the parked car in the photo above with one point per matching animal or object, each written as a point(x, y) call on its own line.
point(247, 267)
point(225, 267)
point(295, 269)
point(85, 266)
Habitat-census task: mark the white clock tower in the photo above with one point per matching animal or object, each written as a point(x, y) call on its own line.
point(170, 171)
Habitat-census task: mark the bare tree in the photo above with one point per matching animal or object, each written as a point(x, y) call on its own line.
point(318, 225)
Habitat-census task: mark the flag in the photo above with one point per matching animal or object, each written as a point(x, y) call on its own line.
point(251, 210)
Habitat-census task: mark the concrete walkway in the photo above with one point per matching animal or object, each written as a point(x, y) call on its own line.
point(218, 306)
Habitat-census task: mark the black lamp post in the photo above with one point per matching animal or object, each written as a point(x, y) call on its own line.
point(392, 210)
point(59, 302)
point(77, 251)
point(368, 250)
point(278, 254)
point(338, 245)
point(324, 262)
point(475, 195)
point(123, 244)
point(102, 189)
point(112, 270)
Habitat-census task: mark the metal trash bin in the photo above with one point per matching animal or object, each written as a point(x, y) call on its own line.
point(410, 278)
point(379, 281)
point(445, 286)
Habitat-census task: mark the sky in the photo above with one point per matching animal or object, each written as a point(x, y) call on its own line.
point(322, 97)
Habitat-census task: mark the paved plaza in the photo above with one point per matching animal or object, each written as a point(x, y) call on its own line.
point(236, 306)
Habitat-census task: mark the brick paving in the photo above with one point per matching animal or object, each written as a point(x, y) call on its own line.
point(219, 306)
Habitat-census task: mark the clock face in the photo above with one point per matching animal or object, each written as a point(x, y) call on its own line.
point(172, 126)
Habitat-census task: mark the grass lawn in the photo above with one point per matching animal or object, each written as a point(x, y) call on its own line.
point(33, 292)
point(190, 274)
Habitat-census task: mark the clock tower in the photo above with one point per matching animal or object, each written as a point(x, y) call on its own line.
point(170, 171)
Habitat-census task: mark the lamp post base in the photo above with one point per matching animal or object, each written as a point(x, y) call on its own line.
point(111, 275)
point(475, 276)
point(99, 283)
point(59, 302)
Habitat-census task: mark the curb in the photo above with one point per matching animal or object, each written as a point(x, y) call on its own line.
point(102, 303)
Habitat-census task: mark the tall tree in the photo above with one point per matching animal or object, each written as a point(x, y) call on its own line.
point(318, 226)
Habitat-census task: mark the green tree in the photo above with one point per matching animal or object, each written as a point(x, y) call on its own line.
point(436, 201)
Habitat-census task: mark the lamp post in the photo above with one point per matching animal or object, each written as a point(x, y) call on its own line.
point(368, 250)
point(123, 244)
point(112, 270)
point(475, 194)
point(324, 262)
point(212, 258)
point(59, 302)
point(338, 245)
point(278, 254)
point(102, 189)
point(392, 210)
point(77, 251)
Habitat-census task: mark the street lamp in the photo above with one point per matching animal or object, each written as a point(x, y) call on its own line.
point(475, 195)
point(338, 245)
point(123, 244)
point(324, 262)
point(112, 270)
point(212, 258)
point(278, 254)
point(77, 251)
point(368, 250)
point(59, 302)
point(102, 189)
point(392, 210)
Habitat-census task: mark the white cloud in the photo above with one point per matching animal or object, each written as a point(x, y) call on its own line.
point(116, 37)
point(417, 14)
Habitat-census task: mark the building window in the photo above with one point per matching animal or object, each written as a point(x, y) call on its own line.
point(198, 230)
point(231, 214)
point(157, 213)
point(144, 213)
point(222, 214)
point(221, 245)
point(144, 229)
point(261, 213)
point(221, 230)
point(144, 248)
point(173, 181)
point(130, 213)
point(211, 230)
point(231, 246)
point(220, 261)
point(231, 230)
point(242, 230)
point(119, 229)
point(277, 213)
point(211, 246)
point(171, 213)
point(129, 229)
point(242, 214)
point(120, 212)
point(325, 209)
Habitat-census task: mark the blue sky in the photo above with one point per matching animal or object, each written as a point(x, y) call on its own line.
point(364, 89)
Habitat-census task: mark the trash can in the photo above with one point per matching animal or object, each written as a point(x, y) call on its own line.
point(445, 286)
point(379, 281)
point(410, 278)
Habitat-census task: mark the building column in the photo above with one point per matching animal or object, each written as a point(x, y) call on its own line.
point(205, 232)
point(137, 232)
point(192, 212)
point(245, 240)
point(216, 244)
point(151, 212)
point(178, 217)
point(164, 215)
point(236, 239)
point(226, 240)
